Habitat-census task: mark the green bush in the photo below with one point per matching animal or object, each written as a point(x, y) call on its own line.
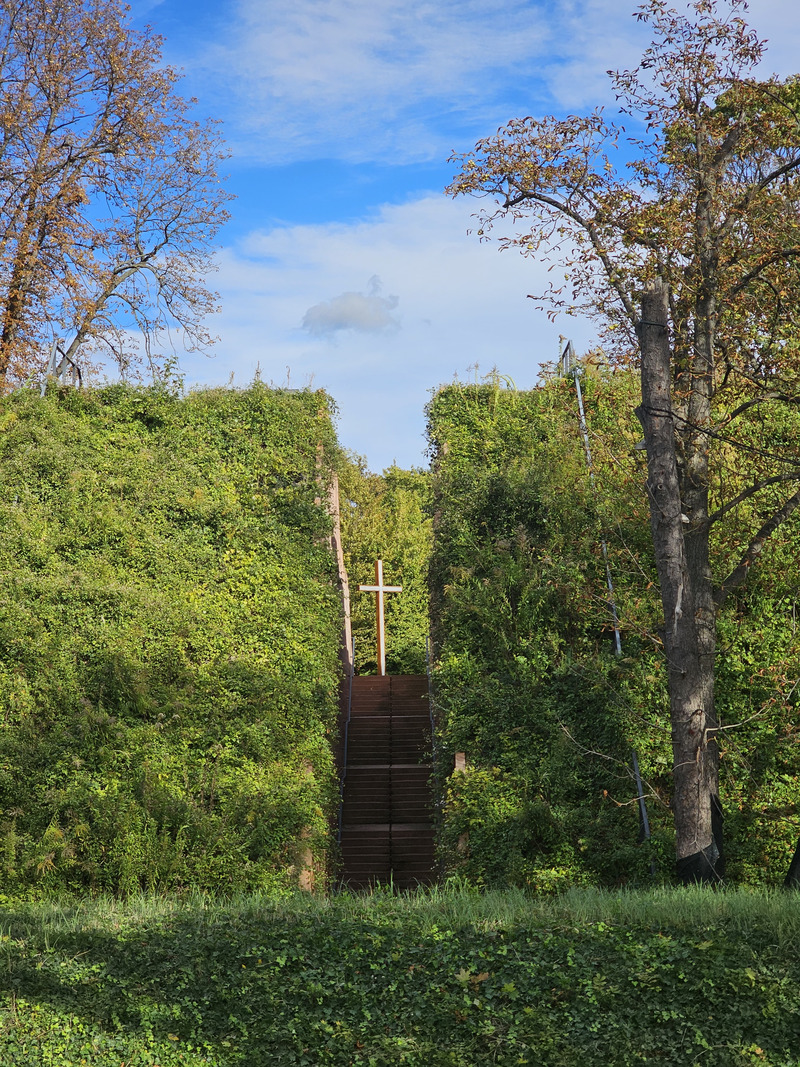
point(168, 638)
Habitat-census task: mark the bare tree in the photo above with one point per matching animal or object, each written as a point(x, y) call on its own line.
point(110, 198)
point(690, 263)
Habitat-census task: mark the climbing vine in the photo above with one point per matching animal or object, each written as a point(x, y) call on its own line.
point(527, 681)
point(168, 638)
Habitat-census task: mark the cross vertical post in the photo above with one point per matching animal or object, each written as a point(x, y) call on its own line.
point(379, 589)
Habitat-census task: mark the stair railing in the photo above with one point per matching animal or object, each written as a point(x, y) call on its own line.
point(435, 775)
point(344, 746)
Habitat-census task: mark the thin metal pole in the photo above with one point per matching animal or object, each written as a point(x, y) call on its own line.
point(640, 798)
point(566, 362)
point(645, 822)
point(566, 366)
point(51, 366)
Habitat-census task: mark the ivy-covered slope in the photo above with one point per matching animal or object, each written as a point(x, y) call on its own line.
point(387, 517)
point(169, 631)
point(528, 685)
point(453, 979)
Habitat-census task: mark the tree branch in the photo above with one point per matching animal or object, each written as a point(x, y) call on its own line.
point(789, 476)
point(739, 574)
point(742, 205)
point(588, 226)
point(777, 257)
point(765, 398)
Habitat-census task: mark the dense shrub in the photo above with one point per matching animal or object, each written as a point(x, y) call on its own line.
point(528, 685)
point(168, 638)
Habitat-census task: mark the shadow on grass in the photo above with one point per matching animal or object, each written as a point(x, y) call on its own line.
point(346, 984)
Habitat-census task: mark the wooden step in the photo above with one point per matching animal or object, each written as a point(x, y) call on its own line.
point(387, 814)
point(401, 852)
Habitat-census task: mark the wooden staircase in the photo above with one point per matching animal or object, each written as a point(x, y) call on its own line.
point(387, 813)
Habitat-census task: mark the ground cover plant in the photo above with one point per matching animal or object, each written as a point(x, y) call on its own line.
point(451, 979)
point(169, 632)
point(527, 682)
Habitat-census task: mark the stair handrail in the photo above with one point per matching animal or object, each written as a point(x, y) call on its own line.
point(435, 773)
point(344, 747)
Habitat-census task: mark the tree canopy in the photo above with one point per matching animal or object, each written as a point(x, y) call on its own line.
point(110, 197)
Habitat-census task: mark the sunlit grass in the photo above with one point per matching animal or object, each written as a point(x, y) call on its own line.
point(772, 914)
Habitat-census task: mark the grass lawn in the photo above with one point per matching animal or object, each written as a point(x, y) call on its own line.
point(452, 977)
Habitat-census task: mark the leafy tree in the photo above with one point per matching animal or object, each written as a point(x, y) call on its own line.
point(109, 193)
point(526, 681)
point(687, 256)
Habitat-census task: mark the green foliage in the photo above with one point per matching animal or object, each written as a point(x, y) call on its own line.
point(453, 980)
point(168, 635)
point(527, 685)
point(387, 517)
point(525, 679)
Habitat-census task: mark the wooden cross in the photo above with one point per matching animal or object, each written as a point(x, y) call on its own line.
point(379, 589)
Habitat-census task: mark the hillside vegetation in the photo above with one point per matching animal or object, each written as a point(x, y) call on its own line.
point(169, 632)
point(528, 685)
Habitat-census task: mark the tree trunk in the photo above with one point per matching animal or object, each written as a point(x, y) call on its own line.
point(695, 483)
point(19, 285)
point(792, 880)
point(690, 669)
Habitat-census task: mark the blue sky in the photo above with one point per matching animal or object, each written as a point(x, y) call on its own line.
point(344, 265)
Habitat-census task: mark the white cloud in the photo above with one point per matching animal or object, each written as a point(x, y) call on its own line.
point(361, 79)
point(381, 80)
point(462, 303)
point(365, 312)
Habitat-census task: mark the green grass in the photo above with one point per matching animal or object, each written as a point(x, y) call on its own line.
point(451, 977)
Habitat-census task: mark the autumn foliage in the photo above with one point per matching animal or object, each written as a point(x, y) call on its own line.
point(110, 196)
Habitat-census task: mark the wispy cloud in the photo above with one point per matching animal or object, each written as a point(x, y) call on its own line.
point(409, 80)
point(393, 81)
point(356, 79)
point(363, 312)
